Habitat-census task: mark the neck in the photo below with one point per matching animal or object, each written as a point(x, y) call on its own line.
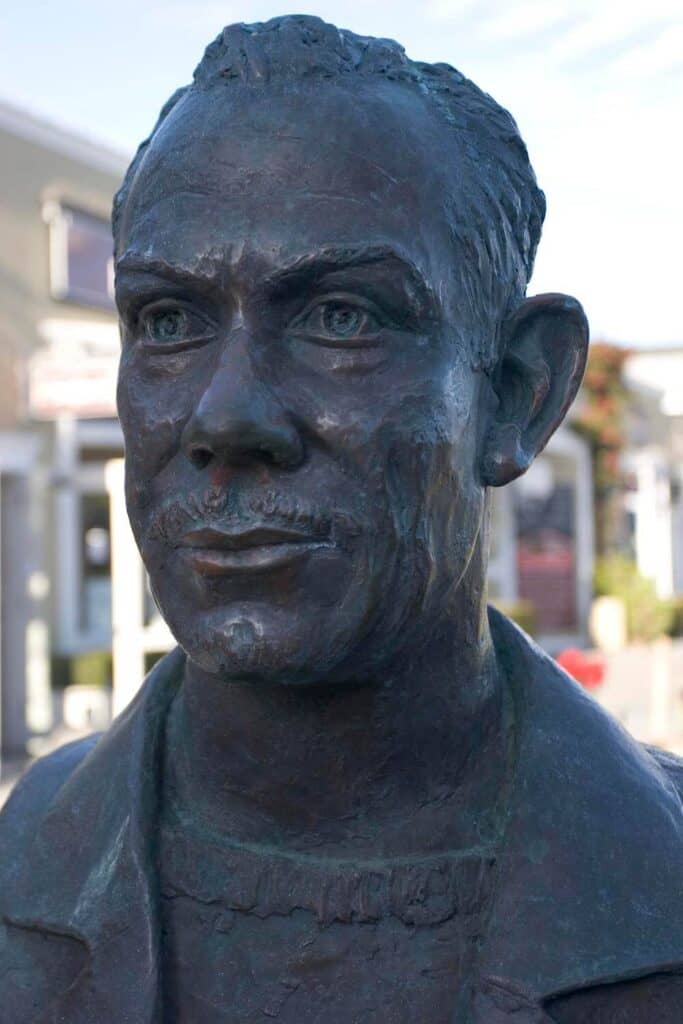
point(413, 761)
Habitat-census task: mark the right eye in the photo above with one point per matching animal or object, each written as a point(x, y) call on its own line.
point(173, 326)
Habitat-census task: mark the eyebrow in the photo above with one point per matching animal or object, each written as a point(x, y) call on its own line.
point(333, 259)
point(327, 260)
point(136, 263)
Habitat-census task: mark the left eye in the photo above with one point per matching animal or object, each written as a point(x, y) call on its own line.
point(172, 326)
point(338, 321)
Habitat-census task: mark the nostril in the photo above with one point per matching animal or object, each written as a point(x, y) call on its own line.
point(200, 456)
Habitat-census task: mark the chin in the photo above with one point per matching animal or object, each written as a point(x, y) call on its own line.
point(276, 637)
point(266, 650)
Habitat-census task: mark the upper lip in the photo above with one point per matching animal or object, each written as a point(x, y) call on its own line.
point(246, 537)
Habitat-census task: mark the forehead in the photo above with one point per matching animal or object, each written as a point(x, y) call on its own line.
point(280, 171)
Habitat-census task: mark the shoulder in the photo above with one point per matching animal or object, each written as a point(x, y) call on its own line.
point(589, 809)
point(670, 765)
point(35, 791)
point(36, 965)
point(576, 739)
point(90, 776)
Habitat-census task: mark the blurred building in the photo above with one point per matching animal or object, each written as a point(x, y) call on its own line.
point(542, 543)
point(653, 463)
point(58, 357)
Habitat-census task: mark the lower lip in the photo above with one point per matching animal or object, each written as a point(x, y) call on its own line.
point(260, 558)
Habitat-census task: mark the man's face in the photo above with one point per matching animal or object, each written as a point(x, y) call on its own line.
point(299, 408)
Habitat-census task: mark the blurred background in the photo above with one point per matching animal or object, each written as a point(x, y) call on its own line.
point(587, 547)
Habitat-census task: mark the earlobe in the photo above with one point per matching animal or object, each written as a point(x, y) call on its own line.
point(544, 345)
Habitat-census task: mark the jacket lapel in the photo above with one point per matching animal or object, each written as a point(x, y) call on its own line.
point(93, 855)
point(591, 881)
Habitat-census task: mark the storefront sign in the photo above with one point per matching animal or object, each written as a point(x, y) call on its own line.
point(75, 372)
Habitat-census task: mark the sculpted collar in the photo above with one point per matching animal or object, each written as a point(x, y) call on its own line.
point(569, 883)
point(596, 906)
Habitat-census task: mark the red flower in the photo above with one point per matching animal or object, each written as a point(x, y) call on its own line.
point(589, 671)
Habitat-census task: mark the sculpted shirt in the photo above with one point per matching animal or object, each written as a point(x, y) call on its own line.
point(308, 939)
point(313, 941)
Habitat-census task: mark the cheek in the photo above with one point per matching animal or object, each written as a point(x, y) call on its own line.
point(152, 420)
point(455, 405)
point(456, 493)
point(432, 470)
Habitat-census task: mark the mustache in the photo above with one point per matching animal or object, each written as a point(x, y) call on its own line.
point(230, 510)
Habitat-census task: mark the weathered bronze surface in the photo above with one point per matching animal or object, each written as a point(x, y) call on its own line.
point(351, 794)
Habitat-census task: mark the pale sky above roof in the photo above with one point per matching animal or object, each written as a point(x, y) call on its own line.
point(595, 85)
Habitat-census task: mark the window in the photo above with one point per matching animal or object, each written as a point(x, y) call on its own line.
point(545, 500)
point(96, 564)
point(81, 262)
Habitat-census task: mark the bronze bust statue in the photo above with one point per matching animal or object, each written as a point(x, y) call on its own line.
point(351, 794)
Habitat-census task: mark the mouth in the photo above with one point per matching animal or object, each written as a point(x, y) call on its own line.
point(213, 552)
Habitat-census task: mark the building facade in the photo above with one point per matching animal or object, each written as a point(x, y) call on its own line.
point(653, 463)
point(58, 357)
point(542, 543)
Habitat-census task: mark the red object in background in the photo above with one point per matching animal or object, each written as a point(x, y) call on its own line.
point(589, 671)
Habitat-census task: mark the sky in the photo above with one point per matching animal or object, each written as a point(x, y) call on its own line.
point(596, 87)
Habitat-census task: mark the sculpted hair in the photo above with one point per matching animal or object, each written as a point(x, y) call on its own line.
point(497, 241)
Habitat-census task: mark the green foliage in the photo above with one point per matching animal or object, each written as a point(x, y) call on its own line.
point(151, 658)
point(93, 668)
point(647, 616)
point(522, 612)
point(676, 614)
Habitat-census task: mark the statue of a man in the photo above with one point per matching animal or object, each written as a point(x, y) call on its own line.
point(350, 795)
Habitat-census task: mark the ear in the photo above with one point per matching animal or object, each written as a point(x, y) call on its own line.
point(544, 349)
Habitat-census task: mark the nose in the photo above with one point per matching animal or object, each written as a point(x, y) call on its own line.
point(239, 419)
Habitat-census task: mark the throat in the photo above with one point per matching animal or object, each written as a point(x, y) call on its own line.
point(415, 765)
